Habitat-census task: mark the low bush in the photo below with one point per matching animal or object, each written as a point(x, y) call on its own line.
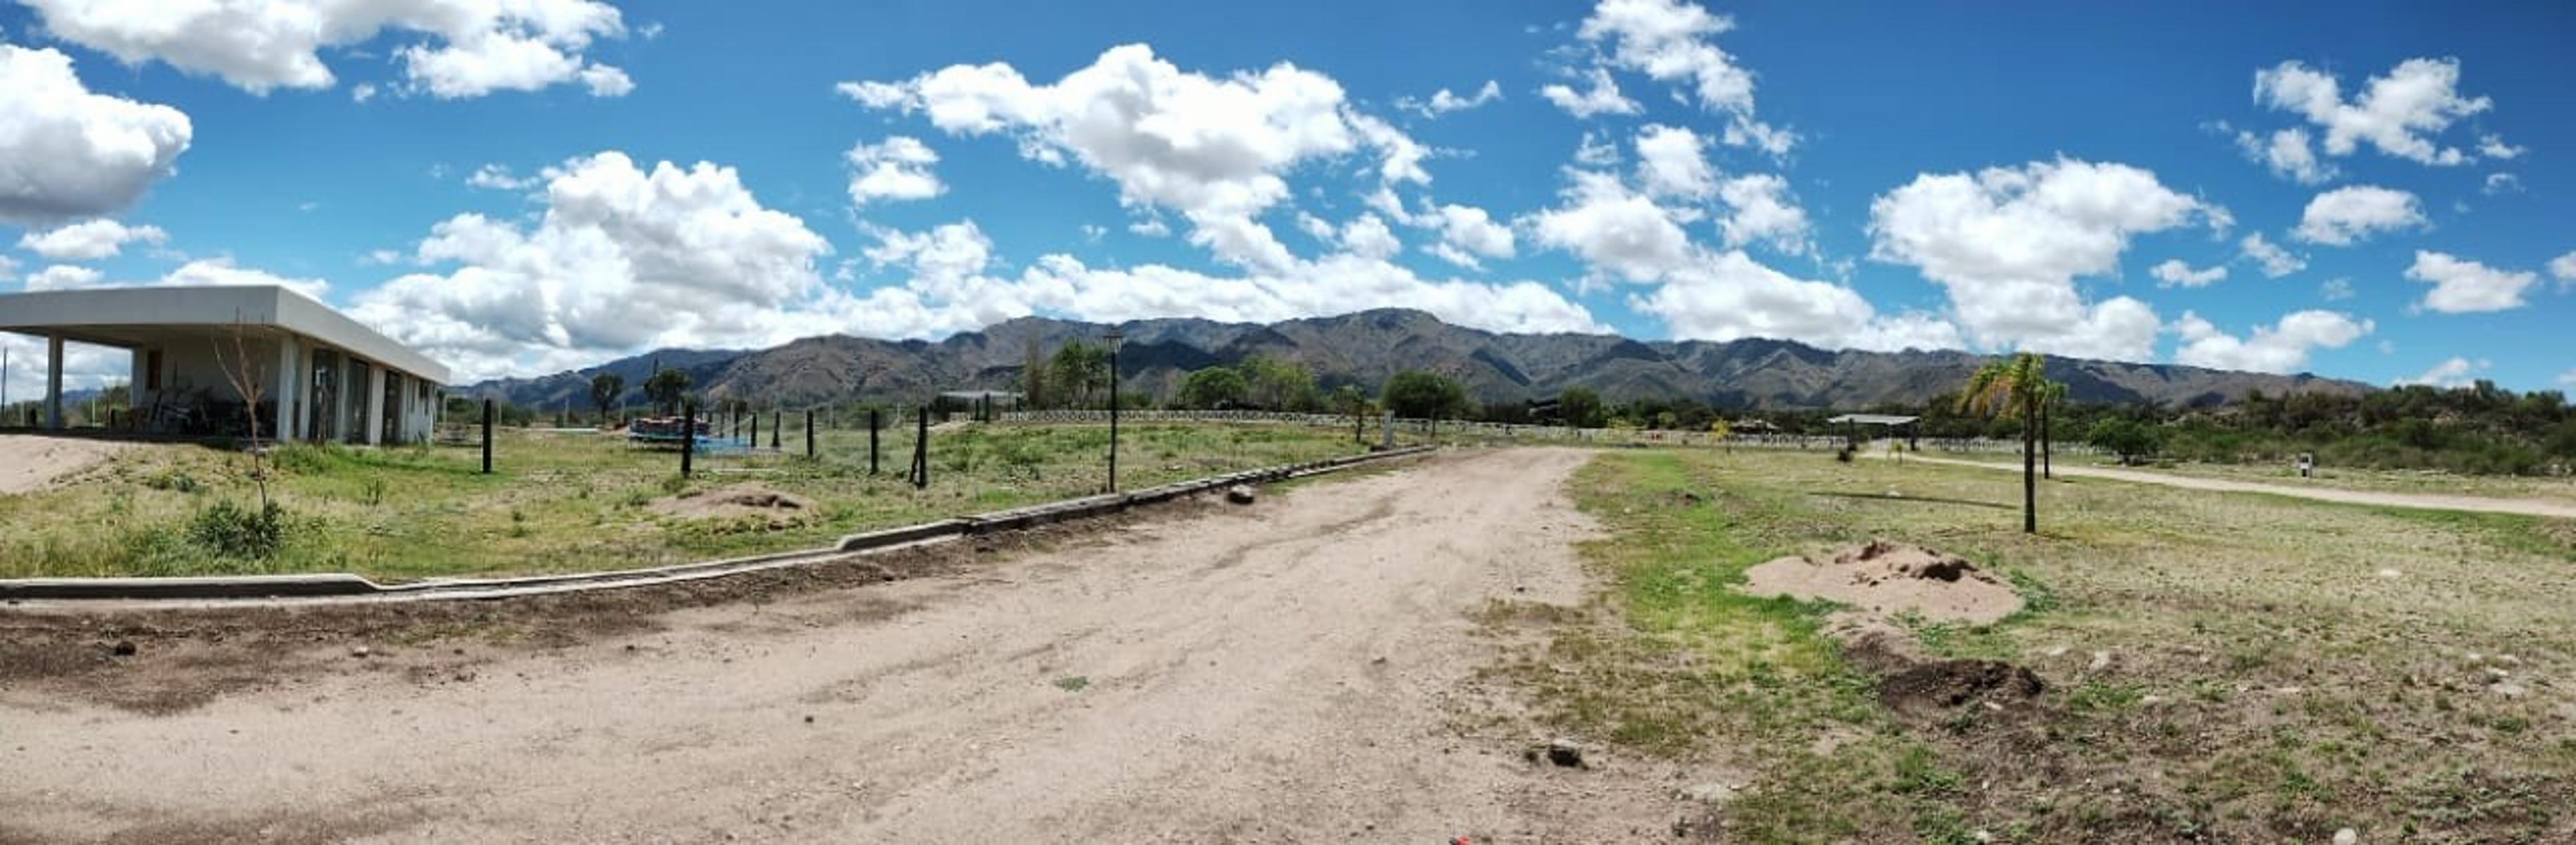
point(231, 530)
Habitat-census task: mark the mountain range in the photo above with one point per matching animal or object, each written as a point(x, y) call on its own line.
point(1366, 347)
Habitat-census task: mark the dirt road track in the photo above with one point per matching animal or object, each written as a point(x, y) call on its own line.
point(1295, 671)
point(2426, 501)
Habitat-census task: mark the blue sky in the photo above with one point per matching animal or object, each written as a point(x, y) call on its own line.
point(531, 190)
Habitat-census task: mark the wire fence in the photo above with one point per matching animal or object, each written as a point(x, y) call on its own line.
point(1462, 429)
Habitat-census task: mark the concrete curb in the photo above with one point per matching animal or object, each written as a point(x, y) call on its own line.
point(344, 587)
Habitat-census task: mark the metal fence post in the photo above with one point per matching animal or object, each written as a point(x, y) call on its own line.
point(688, 435)
point(809, 434)
point(487, 437)
point(873, 425)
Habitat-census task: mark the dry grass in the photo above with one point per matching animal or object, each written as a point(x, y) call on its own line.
point(2271, 670)
point(577, 501)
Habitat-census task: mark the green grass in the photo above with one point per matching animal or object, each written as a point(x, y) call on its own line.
point(567, 502)
point(2267, 681)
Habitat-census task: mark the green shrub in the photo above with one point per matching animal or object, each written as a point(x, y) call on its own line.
point(230, 530)
point(175, 481)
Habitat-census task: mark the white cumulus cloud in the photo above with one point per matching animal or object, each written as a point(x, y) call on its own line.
point(2275, 260)
point(2289, 155)
point(1215, 149)
point(2008, 243)
point(2454, 372)
point(897, 168)
point(67, 153)
point(2172, 272)
point(2461, 286)
point(89, 240)
point(623, 259)
point(2280, 348)
point(1469, 234)
point(2399, 114)
point(1600, 96)
point(1673, 42)
point(1445, 101)
point(2343, 216)
point(472, 47)
point(1671, 163)
point(1759, 209)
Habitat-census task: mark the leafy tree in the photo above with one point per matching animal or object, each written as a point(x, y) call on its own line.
point(604, 390)
point(1421, 395)
point(2127, 438)
point(1581, 407)
point(1213, 387)
point(1080, 372)
point(666, 390)
point(1278, 385)
point(2014, 388)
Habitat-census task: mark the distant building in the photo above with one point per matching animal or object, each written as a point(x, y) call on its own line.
point(320, 376)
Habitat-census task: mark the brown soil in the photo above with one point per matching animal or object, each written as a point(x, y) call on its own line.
point(738, 501)
point(1287, 671)
point(31, 461)
point(1923, 688)
point(1888, 579)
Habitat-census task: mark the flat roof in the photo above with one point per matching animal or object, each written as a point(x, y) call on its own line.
point(141, 316)
point(1873, 419)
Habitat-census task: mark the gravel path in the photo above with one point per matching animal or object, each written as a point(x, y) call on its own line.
point(2483, 504)
point(1296, 670)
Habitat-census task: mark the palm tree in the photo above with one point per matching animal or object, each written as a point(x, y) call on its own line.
point(2014, 388)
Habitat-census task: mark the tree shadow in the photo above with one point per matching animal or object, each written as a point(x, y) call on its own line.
point(1883, 497)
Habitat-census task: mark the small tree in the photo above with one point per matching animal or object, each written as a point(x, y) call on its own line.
point(1355, 403)
point(2014, 388)
point(1422, 395)
point(244, 377)
point(1079, 371)
point(604, 390)
point(1213, 387)
point(1581, 407)
point(666, 390)
point(2129, 439)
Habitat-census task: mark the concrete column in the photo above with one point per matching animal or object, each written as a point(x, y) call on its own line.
point(375, 406)
point(282, 389)
point(54, 381)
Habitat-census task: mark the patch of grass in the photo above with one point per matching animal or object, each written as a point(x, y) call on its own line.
point(1073, 683)
point(576, 501)
point(2304, 689)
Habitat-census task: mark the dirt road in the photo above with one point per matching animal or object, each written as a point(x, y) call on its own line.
point(1294, 671)
point(2483, 504)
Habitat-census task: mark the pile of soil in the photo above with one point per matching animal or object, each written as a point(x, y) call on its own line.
point(737, 501)
point(30, 462)
point(1887, 578)
point(1914, 685)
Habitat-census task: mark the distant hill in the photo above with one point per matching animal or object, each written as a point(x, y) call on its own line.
point(1365, 348)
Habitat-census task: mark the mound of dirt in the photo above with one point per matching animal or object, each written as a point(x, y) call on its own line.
point(738, 501)
point(1886, 578)
point(29, 462)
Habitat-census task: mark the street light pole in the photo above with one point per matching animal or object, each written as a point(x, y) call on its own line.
point(1115, 339)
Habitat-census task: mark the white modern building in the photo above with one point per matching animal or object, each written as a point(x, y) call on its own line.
point(319, 375)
